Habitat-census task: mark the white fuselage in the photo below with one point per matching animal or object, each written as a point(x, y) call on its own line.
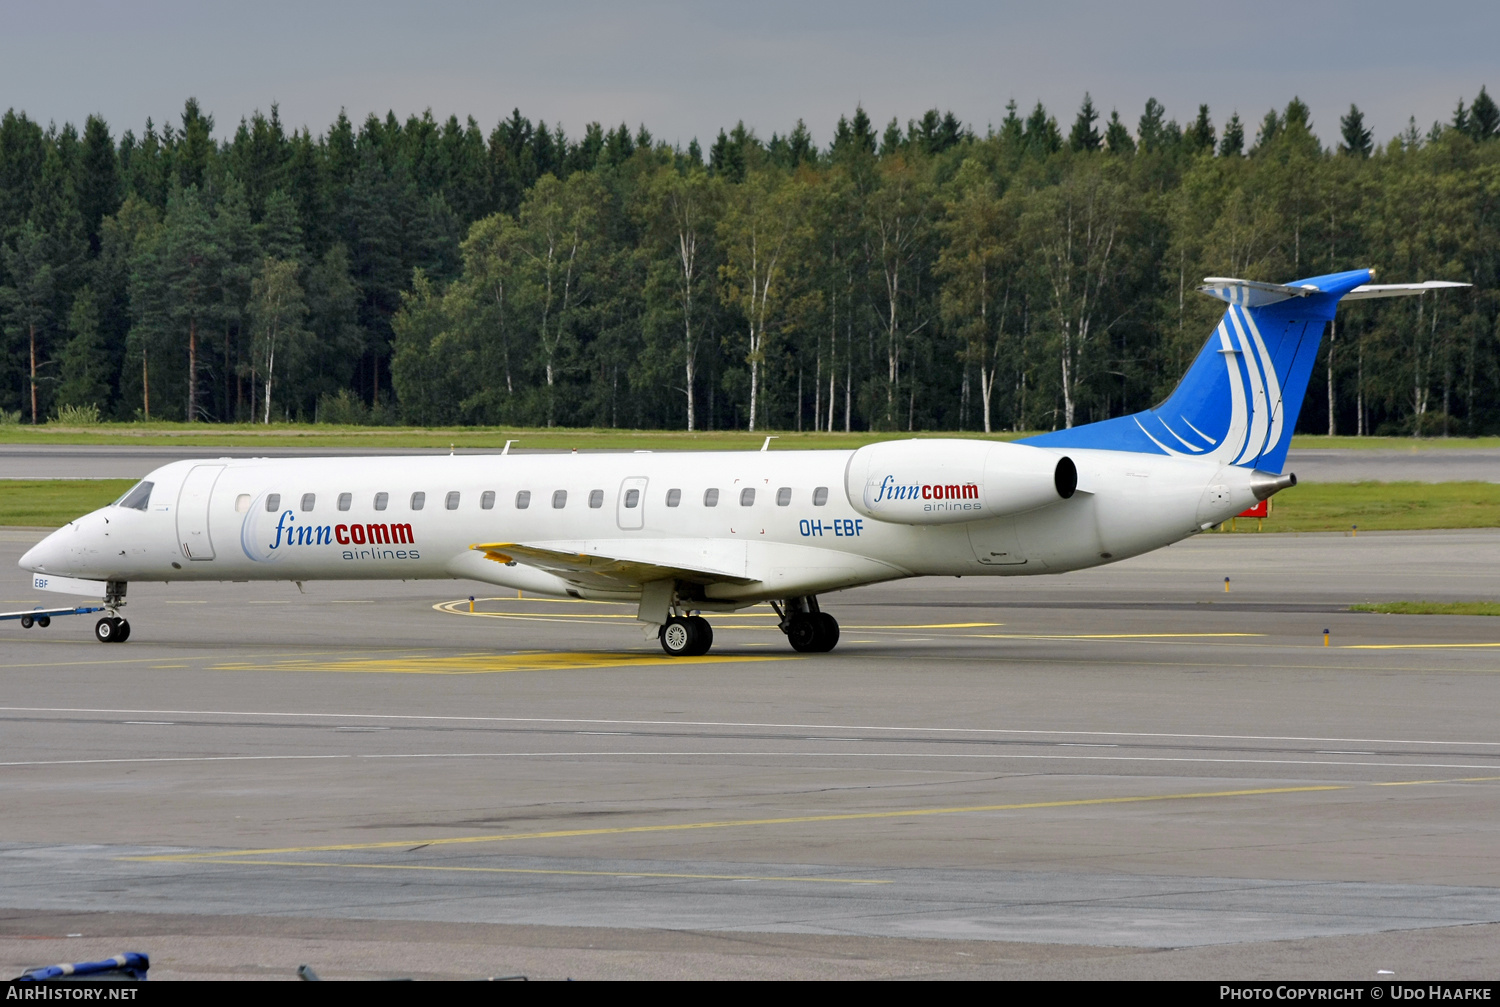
point(361, 518)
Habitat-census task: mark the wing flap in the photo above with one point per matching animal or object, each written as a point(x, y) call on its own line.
point(613, 565)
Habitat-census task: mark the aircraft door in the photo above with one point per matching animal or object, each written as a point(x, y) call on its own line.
point(995, 543)
point(631, 509)
point(192, 511)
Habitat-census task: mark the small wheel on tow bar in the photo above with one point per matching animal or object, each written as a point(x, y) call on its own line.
point(44, 621)
point(26, 621)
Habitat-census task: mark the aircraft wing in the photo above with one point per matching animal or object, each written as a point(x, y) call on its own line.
point(617, 565)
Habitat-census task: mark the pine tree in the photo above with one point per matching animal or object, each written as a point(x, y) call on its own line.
point(1270, 129)
point(99, 188)
point(1152, 130)
point(1012, 132)
point(84, 364)
point(195, 146)
point(1084, 136)
point(892, 140)
point(188, 262)
point(1117, 137)
point(1233, 142)
point(1484, 117)
point(26, 298)
point(1357, 139)
point(1041, 137)
point(1200, 135)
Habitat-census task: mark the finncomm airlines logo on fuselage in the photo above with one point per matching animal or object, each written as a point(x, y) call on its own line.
point(264, 542)
point(932, 496)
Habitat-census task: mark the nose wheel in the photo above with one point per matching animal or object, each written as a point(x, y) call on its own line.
point(112, 629)
point(687, 636)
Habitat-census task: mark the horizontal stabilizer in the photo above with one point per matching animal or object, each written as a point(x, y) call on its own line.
point(1369, 290)
point(1252, 293)
point(606, 566)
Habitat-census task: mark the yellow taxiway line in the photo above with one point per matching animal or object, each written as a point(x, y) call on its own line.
point(537, 870)
point(856, 816)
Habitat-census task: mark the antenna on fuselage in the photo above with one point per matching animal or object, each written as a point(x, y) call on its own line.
point(506, 450)
point(767, 445)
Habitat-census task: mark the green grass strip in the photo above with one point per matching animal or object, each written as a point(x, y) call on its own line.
point(1432, 608)
point(52, 503)
point(1372, 506)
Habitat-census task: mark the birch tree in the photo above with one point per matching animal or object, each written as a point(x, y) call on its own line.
point(977, 266)
point(763, 222)
point(558, 222)
point(1076, 227)
point(278, 313)
point(681, 210)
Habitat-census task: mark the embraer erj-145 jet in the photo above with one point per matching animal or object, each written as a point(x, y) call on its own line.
point(683, 534)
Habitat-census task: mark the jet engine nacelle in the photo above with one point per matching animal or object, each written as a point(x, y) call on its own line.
point(948, 481)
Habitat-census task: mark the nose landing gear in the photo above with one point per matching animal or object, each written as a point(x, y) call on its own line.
point(808, 629)
point(112, 629)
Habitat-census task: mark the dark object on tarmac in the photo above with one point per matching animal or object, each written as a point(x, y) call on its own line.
point(128, 967)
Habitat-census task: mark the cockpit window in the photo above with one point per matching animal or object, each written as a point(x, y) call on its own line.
point(138, 497)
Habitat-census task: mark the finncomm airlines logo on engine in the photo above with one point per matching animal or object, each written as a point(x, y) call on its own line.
point(891, 493)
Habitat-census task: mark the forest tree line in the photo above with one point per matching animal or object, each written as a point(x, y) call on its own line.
point(919, 277)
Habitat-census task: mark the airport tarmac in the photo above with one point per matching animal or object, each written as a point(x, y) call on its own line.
point(1118, 773)
point(110, 461)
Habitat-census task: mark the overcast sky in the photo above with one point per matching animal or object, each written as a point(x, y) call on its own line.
point(687, 69)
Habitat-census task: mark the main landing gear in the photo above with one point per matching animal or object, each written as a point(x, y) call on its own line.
point(686, 636)
point(808, 629)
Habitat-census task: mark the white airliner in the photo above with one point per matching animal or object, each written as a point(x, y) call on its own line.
point(681, 534)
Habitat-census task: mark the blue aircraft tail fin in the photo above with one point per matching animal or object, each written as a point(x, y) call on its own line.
point(1239, 401)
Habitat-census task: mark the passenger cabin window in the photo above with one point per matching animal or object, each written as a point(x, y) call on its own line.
point(559, 499)
point(242, 503)
point(451, 500)
point(273, 503)
point(596, 499)
point(711, 498)
point(747, 497)
point(140, 495)
point(308, 499)
point(632, 498)
point(784, 496)
point(820, 496)
point(487, 500)
point(674, 497)
point(346, 500)
point(418, 500)
point(381, 499)
point(523, 499)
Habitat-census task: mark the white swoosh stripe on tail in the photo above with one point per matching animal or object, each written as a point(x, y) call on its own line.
point(1254, 371)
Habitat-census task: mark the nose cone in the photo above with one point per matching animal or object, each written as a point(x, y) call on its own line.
point(47, 555)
